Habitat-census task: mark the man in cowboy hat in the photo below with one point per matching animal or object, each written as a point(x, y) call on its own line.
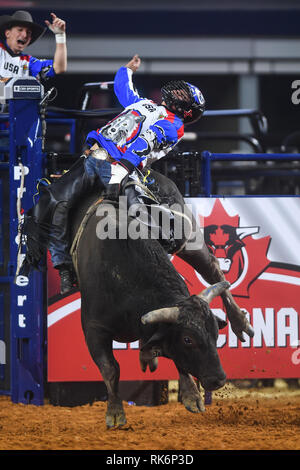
point(19, 31)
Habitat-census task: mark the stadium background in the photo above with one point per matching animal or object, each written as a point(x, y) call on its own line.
point(241, 54)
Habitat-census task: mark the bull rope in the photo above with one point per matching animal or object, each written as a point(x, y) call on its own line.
point(152, 196)
point(73, 251)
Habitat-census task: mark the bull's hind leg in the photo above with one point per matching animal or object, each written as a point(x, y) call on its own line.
point(196, 254)
point(100, 347)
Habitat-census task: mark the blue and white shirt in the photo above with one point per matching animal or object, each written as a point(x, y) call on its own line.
point(143, 130)
point(22, 65)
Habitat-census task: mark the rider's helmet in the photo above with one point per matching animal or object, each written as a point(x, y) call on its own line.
point(184, 100)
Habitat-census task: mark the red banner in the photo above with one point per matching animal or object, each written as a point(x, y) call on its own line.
point(256, 241)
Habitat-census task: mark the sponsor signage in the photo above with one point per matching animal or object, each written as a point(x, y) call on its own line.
point(27, 89)
point(257, 243)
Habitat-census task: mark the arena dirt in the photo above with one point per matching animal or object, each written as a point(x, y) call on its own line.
point(253, 419)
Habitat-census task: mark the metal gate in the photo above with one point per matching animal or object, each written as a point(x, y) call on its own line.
point(22, 306)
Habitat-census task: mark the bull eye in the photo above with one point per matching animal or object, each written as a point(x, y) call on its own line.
point(187, 340)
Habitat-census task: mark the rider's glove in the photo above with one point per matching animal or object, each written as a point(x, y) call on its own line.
point(118, 174)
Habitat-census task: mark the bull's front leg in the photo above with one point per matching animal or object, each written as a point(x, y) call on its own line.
point(189, 393)
point(99, 343)
point(197, 255)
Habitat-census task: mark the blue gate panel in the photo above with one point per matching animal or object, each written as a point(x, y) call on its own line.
point(2, 339)
point(5, 363)
point(21, 298)
point(4, 220)
point(1, 225)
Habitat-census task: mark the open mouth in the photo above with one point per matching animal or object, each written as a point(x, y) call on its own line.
point(22, 42)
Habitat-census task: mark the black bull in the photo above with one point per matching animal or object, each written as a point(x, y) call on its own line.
point(130, 290)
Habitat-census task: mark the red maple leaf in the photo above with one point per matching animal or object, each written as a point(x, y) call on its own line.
point(249, 258)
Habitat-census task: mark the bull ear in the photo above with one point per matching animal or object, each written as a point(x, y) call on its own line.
point(166, 315)
point(213, 291)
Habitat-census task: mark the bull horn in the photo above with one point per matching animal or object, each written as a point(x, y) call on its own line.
point(166, 315)
point(213, 291)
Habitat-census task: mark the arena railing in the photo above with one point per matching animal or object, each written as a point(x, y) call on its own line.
point(207, 158)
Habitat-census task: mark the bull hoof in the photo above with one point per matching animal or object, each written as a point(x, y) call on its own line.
point(115, 416)
point(153, 364)
point(249, 330)
point(145, 362)
point(240, 330)
point(115, 421)
point(194, 405)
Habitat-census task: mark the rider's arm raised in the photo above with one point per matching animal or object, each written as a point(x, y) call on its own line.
point(123, 85)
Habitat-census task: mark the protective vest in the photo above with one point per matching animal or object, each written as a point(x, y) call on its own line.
point(143, 130)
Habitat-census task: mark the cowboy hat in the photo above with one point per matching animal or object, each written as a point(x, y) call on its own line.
point(23, 18)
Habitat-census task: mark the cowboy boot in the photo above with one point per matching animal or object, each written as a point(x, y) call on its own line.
point(66, 278)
